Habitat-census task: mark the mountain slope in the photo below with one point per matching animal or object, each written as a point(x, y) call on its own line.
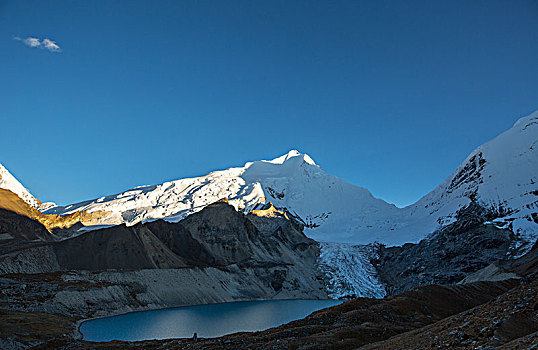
point(10, 201)
point(268, 256)
point(10, 183)
point(500, 175)
point(327, 205)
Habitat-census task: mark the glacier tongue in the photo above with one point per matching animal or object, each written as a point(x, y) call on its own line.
point(349, 271)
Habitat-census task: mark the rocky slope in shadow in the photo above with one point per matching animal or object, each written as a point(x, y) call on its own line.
point(216, 255)
point(447, 256)
point(217, 236)
point(16, 227)
point(509, 321)
point(479, 315)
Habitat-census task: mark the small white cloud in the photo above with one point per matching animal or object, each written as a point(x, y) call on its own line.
point(51, 45)
point(32, 42)
point(42, 44)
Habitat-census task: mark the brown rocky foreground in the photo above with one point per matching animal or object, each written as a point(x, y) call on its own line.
point(481, 315)
point(485, 314)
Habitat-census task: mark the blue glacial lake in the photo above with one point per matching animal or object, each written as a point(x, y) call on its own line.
point(211, 320)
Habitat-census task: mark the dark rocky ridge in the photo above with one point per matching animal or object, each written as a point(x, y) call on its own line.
point(116, 248)
point(525, 267)
point(447, 256)
point(19, 232)
point(22, 228)
point(215, 255)
point(509, 321)
point(218, 235)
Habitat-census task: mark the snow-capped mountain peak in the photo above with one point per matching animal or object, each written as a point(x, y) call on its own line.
point(291, 154)
point(327, 205)
point(9, 182)
point(525, 122)
point(501, 175)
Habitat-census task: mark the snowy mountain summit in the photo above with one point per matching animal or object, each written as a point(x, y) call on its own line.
point(291, 181)
point(500, 175)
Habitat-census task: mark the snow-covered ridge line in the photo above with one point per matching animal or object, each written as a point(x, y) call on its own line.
point(9, 182)
point(500, 175)
point(291, 181)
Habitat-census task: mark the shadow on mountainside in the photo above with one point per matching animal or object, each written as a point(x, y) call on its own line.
point(479, 315)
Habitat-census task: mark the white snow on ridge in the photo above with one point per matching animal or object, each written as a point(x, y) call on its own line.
point(329, 206)
point(9, 182)
point(501, 174)
point(291, 154)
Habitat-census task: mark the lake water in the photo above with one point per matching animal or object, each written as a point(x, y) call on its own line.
point(211, 320)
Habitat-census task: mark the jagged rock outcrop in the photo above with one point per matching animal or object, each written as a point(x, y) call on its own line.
point(448, 255)
point(18, 227)
point(523, 267)
point(216, 236)
point(115, 248)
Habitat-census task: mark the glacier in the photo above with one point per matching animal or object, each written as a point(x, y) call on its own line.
point(349, 271)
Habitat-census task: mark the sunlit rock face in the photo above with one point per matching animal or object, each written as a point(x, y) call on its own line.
point(61, 226)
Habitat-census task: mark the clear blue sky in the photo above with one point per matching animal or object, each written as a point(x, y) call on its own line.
point(390, 95)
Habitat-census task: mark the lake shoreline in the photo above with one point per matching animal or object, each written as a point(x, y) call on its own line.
point(230, 307)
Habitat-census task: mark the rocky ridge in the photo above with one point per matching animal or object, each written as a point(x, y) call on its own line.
point(448, 255)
